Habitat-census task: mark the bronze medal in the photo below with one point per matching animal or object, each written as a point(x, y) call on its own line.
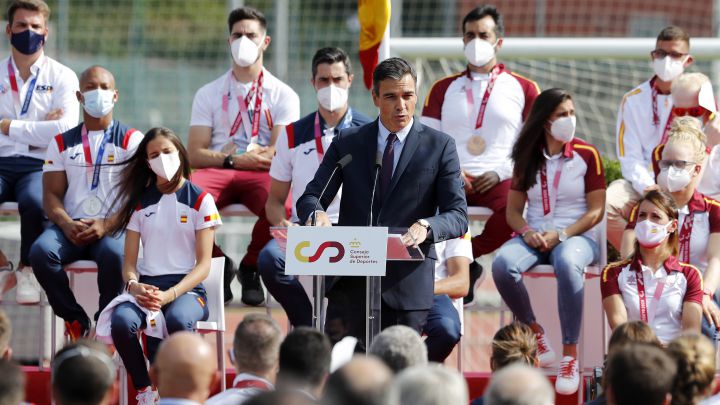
point(476, 145)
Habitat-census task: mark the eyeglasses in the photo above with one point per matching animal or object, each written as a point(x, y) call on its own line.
point(678, 164)
point(659, 54)
point(692, 111)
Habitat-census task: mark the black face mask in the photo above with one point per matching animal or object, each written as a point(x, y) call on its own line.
point(27, 42)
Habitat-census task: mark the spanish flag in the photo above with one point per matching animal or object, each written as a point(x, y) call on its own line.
point(374, 16)
point(183, 219)
point(212, 217)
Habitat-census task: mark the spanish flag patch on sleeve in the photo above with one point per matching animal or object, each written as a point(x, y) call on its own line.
point(48, 162)
point(183, 219)
point(212, 217)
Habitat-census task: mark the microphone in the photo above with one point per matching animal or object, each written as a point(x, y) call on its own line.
point(377, 167)
point(344, 161)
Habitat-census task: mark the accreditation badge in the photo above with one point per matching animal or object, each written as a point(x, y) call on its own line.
point(92, 206)
point(476, 145)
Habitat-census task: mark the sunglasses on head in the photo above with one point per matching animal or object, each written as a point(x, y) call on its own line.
point(678, 164)
point(692, 111)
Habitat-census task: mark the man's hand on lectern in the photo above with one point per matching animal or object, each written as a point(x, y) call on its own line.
point(322, 219)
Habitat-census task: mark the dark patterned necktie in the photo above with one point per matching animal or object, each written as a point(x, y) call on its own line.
point(387, 165)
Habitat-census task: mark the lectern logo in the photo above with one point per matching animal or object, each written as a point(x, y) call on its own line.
point(323, 246)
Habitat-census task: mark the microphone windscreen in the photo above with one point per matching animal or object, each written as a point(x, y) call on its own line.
point(344, 160)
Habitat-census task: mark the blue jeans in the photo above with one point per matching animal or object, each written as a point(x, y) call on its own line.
point(21, 181)
point(127, 319)
point(708, 330)
point(52, 250)
point(442, 328)
point(569, 260)
point(287, 290)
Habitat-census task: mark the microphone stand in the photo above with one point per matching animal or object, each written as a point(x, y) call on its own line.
point(372, 283)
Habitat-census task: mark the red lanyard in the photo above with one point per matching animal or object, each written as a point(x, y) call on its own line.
point(261, 385)
point(20, 110)
point(656, 114)
point(318, 138)
point(257, 87)
point(684, 237)
point(483, 104)
point(547, 204)
point(642, 297)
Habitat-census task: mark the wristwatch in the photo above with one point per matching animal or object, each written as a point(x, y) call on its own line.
point(228, 162)
point(424, 223)
point(562, 236)
point(129, 283)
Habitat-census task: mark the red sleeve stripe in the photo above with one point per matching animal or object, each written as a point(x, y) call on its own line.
point(269, 119)
point(199, 200)
point(290, 130)
point(60, 142)
point(138, 207)
point(126, 138)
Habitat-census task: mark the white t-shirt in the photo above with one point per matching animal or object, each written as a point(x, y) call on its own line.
point(280, 106)
point(637, 134)
point(458, 247)
point(710, 182)
point(55, 87)
point(296, 155)
point(683, 283)
point(167, 225)
point(65, 154)
point(447, 109)
point(582, 172)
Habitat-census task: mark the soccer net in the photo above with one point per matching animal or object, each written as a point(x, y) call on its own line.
point(596, 71)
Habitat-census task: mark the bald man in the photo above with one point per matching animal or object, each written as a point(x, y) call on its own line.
point(185, 369)
point(364, 380)
point(80, 175)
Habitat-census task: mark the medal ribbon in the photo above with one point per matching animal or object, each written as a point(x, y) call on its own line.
point(243, 112)
point(656, 115)
point(486, 97)
point(646, 315)
point(545, 193)
point(16, 90)
point(90, 167)
point(318, 133)
point(684, 237)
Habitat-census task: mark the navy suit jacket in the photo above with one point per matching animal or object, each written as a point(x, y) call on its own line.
point(426, 184)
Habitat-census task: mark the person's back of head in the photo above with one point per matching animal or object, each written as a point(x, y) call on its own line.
point(639, 374)
point(695, 359)
point(256, 346)
point(399, 347)
point(83, 373)
point(632, 332)
point(513, 343)
point(5, 335)
point(429, 384)
point(304, 360)
point(12, 383)
point(185, 367)
point(519, 384)
point(364, 380)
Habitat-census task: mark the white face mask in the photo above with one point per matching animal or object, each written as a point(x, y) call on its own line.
point(649, 234)
point(479, 52)
point(244, 51)
point(98, 103)
point(563, 128)
point(165, 165)
point(667, 68)
point(332, 97)
point(674, 180)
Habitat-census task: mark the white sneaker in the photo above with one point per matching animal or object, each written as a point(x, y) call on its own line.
point(545, 353)
point(7, 279)
point(147, 396)
point(568, 378)
point(28, 288)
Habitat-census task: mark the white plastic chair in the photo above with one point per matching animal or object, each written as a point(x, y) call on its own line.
point(216, 308)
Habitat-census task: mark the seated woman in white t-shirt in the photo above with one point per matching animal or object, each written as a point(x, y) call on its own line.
point(176, 222)
point(561, 179)
point(679, 168)
point(652, 285)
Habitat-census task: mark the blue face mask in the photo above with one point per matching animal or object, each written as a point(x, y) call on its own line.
point(27, 42)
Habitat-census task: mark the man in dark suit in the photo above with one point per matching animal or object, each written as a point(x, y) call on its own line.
point(419, 188)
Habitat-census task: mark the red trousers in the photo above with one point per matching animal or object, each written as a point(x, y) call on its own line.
point(496, 230)
point(250, 188)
